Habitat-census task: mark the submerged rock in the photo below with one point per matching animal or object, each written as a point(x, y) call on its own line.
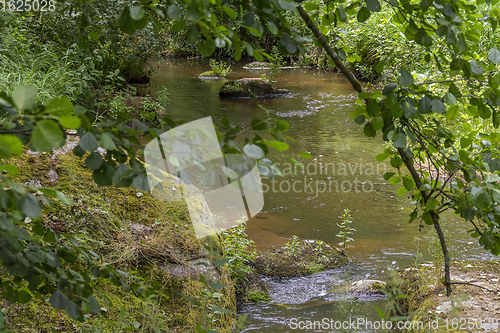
point(298, 258)
point(367, 286)
point(250, 88)
point(257, 65)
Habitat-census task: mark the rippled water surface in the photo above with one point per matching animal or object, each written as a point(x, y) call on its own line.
point(342, 174)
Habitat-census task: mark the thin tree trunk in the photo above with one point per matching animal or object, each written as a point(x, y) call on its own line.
point(329, 50)
point(435, 220)
point(357, 86)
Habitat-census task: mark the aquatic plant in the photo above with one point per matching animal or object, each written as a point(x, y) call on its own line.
point(345, 231)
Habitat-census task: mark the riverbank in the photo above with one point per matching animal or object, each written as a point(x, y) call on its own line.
point(475, 300)
point(133, 232)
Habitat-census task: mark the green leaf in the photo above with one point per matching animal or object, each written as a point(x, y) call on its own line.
point(24, 96)
point(450, 99)
point(46, 136)
point(400, 140)
point(30, 206)
point(402, 191)
point(452, 112)
point(93, 304)
point(373, 5)
point(378, 123)
point(23, 297)
point(221, 262)
point(431, 203)
point(310, 5)
point(129, 25)
point(232, 13)
point(73, 310)
point(192, 34)
point(141, 183)
point(381, 157)
point(64, 199)
point(425, 105)
point(405, 78)
point(10, 144)
point(286, 5)
point(174, 12)
point(71, 122)
point(363, 15)
point(88, 142)
point(104, 175)
point(216, 286)
point(380, 67)
point(124, 22)
point(476, 68)
point(360, 120)
point(11, 169)
point(394, 180)
point(272, 28)
point(94, 161)
point(388, 175)
point(369, 131)
point(82, 40)
point(437, 106)
point(427, 218)
point(137, 13)
point(494, 56)
point(281, 146)
point(107, 141)
point(60, 106)
point(253, 151)
point(408, 183)
point(207, 47)
point(389, 89)
point(408, 107)
point(342, 14)
point(423, 38)
point(178, 26)
point(305, 155)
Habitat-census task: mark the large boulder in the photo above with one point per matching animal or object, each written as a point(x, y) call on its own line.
point(250, 88)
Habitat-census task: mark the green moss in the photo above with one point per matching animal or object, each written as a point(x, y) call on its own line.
point(378, 286)
point(305, 259)
point(101, 218)
point(257, 296)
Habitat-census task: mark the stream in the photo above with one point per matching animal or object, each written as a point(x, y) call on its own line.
point(342, 174)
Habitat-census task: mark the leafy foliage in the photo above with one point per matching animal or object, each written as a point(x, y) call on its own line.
point(345, 231)
point(238, 251)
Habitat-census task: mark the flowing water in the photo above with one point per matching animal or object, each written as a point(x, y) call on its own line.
point(342, 174)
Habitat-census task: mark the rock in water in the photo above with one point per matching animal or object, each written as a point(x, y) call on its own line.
point(250, 88)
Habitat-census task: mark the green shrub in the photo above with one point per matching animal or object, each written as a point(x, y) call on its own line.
point(238, 249)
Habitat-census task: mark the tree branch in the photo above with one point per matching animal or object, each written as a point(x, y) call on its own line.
point(329, 50)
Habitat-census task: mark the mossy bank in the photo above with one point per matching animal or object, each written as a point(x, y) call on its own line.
point(132, 231)
point(475, 298)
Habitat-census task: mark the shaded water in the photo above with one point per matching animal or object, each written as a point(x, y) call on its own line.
point(342, 174)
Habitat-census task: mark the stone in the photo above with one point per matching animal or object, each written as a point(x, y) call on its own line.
point(250, 88)
point(367, 286)
point(193, 269)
